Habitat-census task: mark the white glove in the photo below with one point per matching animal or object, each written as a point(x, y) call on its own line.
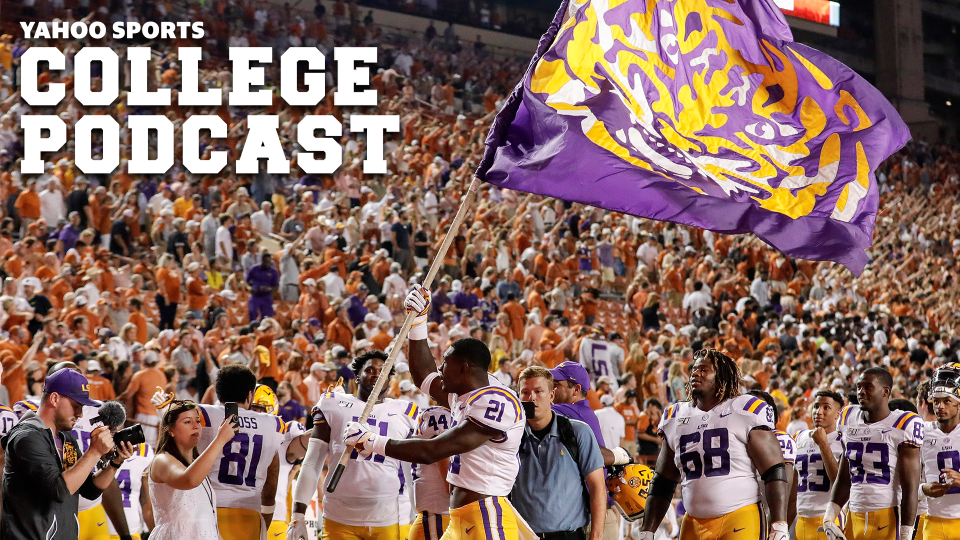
point(297, 529)
point(779, 530)
point(833, 531)
point(830, 528)
point(906, 532)
point(161, 399)
point(621, 456)
point(645, 535)
point(418, 302)
point(363, 440)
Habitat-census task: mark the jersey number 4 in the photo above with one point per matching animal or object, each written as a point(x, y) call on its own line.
point(715, 460)
point(123, 480)
point(239, 458)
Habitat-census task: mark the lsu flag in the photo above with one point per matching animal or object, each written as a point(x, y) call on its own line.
point(700, 112)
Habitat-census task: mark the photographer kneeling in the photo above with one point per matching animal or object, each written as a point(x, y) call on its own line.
point(45, 471)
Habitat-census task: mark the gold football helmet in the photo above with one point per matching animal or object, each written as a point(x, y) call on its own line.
point(629, 487)
point(266, 400)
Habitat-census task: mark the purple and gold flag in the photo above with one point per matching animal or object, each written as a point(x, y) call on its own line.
point(700, 112)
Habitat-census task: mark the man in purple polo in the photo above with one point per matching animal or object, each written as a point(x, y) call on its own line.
point(571, 383)
point(356, 308)
point(264, 281)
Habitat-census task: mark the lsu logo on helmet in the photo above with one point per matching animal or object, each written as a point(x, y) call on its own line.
point(629, 487)
point(265, 398)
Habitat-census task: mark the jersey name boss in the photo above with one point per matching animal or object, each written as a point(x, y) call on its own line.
point(376, 505)
point(491, 468)
point(813, 486)
point(871, 450)
point(941, 451)
point(710, 449)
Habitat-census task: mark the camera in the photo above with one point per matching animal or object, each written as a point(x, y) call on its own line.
point(132, 435)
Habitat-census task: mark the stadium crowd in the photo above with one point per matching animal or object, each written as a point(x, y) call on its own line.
point(147, 281)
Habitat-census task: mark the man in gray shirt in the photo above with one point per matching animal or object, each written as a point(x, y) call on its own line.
point(563, 454)
point(182, 357)
point(208, 226)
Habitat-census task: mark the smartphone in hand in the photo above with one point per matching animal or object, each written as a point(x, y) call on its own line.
point(230, 409)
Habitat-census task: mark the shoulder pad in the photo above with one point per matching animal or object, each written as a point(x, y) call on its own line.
point(751, 404)
point(904, 419)
point(846, 414)
point(411, 410)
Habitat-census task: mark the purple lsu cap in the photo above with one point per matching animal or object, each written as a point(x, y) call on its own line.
point(69, 383)
point(572, 372)
point(314, 321)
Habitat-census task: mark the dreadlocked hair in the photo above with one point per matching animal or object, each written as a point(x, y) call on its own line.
point(728, 374)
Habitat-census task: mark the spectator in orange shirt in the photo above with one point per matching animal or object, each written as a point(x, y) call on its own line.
point(517, 316)
point(28, 205)
point(168, 290)
point(196, 290)
point(673, 283)
point(631, 414)
point(100, 388)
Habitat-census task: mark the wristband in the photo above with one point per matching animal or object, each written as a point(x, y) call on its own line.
point(114, 465)
point(833, 510)
point(267, 509)
point(418, 331)
point(378, 445)
point(780, 526)
point(906, 532)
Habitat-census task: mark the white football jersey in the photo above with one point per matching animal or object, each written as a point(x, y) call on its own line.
point(8, 419)
point(284, 481)
point(941, 451)
point(130, 480)
point(813, 486)
point(405, 499)
point(595, 358)
point(240, 471)
point(376, 505)
point(788, 449)
point(82, 430)
point(429, 484)
point(491, 468)
point(788, 446)
point(871, 450)
point(710, 450)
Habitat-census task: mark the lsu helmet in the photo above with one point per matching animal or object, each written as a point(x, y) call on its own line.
point(946, 382)
point(628, 487)
point(264, 397)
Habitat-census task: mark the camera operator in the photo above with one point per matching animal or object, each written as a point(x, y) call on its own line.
point(45, 471)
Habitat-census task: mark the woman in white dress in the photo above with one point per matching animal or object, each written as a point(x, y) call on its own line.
point(184, 503)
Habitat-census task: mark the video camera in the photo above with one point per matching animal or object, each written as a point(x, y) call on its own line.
point(113, 415)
